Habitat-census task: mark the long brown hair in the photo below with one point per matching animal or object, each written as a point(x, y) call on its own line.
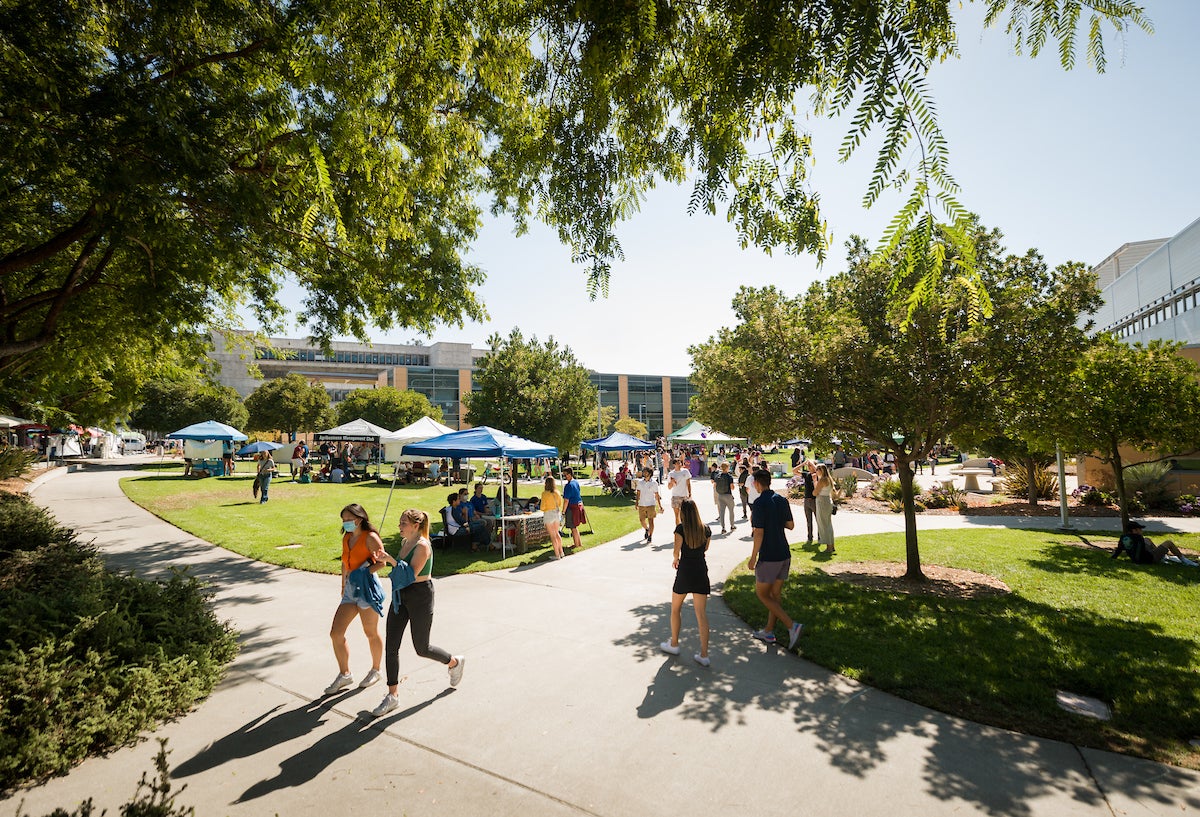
point(359, 513)
point(695, 532)
point(550, 485)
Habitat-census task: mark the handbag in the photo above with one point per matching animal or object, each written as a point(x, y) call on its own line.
point(834, 511)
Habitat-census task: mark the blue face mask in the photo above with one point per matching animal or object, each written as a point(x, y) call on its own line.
point(348, 527)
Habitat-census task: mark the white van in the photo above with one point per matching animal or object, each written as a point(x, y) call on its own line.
point(135, 443)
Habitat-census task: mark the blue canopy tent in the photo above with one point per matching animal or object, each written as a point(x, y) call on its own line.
point(617, 441)
point(209, 430)
point(484, 442)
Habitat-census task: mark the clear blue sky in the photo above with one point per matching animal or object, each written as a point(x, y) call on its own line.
point(1073, 163)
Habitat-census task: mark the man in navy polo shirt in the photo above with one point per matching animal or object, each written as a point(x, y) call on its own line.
point(771, 558)
point(573, 495)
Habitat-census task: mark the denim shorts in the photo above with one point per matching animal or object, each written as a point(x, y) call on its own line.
point(349, 596)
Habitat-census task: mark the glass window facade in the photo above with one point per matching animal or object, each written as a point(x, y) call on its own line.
point(646, 403)
point(441, 387)
point(681, 400)
point(609, 387)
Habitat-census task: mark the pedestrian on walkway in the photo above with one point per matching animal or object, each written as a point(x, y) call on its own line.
point(823, 488)
point(770, 558)
point(649, 502)
point(552, 511)
point(266, 470)
point(413, 604)
point(805, 472)
point(723, 490)
point(743, 491)
point(362, 595)
point(573, 494)
point(679, 482)
point(692, 538)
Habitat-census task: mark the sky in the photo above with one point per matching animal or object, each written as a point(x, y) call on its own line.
point(1073, 163)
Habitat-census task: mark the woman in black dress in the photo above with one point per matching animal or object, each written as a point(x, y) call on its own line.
point(691, 576)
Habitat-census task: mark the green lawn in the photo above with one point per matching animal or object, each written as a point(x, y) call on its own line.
point(300, 527)
point(1076, 621)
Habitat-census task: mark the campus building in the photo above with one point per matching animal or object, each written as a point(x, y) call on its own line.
point(1151, 291)
point(440, 371)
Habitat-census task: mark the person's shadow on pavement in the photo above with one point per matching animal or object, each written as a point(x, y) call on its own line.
point(306, 764)
point(665, 692)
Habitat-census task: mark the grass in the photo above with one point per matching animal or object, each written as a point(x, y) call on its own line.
point(1076, 621)
point(300, 527)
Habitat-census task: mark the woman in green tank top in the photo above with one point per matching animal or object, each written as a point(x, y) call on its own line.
point(413, 605)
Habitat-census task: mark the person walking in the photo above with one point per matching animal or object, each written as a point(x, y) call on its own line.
point(805, 472)
point(679, 482)
point(743, 491)
point(723, 490)
point(413, 605)
point(362, 595)
point(770, 557)
point(649, 502)
point(266, 470)
point(823, 488)
point(573, 495)
point(692, 538)
point(552, 511)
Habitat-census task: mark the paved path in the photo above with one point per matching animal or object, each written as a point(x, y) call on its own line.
point(567, 706)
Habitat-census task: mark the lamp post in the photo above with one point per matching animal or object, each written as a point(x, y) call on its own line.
point(599, 429)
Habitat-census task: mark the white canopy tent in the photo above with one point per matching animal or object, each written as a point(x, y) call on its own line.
point(423, 429)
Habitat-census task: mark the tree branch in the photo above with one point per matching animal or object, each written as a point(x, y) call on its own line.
point(17, 261)
point(211, 58)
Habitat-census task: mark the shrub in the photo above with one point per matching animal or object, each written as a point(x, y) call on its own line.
point(15, 461)
point(1151, 483)
point(1186, 503)
point(1091, 495)
point(1016, 481)
point(943, 497)
point(25, 526)
point(885, 490)
point(897, 505)
point(847, 486)
point(88, 658)
point(795, 488)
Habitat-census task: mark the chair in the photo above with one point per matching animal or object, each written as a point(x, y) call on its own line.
point(445, 540)
point(606, 482)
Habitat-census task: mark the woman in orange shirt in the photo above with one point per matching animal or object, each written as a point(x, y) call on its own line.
point(362, 595)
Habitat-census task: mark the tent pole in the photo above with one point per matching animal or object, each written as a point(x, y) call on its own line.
point(503, 524)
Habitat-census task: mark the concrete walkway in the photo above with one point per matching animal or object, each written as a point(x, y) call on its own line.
point(567, 706)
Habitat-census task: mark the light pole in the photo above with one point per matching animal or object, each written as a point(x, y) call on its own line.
point(599, 429)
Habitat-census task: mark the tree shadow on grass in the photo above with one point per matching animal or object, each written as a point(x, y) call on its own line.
point(997, 661)
point(1057, 557)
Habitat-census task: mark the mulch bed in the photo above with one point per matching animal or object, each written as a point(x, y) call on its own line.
point(944, 582)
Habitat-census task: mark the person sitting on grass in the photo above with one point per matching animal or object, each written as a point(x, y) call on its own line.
point(1143, 551)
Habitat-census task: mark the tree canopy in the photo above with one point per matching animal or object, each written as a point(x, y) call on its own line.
point(169, 405)
point(852, 358)
point(187, 158)
point(290, 404)
point(1141, 397)
point(534, 390)
point(387, 407)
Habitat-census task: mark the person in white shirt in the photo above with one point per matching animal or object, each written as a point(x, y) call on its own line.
point(679, 481)
point(649, 502)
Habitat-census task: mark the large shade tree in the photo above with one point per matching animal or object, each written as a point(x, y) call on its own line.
point(533, 389)
point(387, 407)
point(291, 404)
point(189, 157)
point(853, 357)
point(170, 405)
point(1131, 404)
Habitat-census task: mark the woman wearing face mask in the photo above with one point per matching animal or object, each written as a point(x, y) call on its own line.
point(362, 595)
point(413, 605)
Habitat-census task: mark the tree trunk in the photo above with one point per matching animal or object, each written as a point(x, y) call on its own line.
point(513, 477)
point(1031, 489)
point(912, 554)
point(1119, 480)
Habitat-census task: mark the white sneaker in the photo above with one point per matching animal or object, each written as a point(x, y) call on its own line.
point(701, 660)
point(456, 671)
point(339, 683)
point(669, 648)
point(388, 703)
point(372, 677)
